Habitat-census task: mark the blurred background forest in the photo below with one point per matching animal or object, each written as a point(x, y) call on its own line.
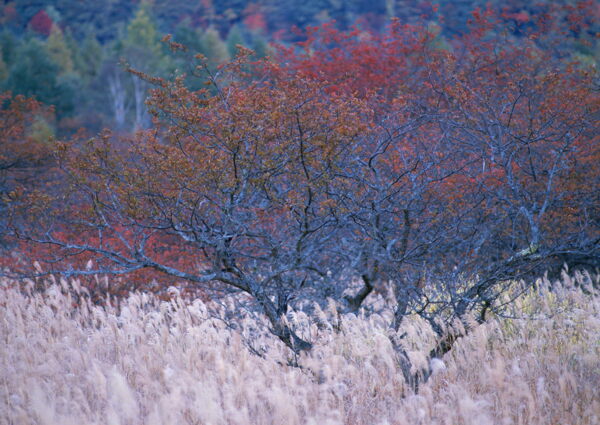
point(70, 53)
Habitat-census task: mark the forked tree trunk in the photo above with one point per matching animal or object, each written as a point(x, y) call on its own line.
point(279, 327)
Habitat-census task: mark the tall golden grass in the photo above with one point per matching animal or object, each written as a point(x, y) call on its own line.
point(153, 362)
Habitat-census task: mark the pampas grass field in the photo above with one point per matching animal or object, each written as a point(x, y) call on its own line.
point(158, 362)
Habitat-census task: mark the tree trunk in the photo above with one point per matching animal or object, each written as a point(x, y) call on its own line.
point(279, 327)
point(139, 94)
point(117, 93)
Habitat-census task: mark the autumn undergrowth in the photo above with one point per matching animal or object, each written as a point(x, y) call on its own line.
point(156, 362)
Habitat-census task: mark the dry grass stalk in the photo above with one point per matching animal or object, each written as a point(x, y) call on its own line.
point(155, 362)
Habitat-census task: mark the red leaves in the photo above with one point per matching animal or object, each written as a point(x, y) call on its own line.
point(480, 135)
point(254, 18)
point(41, 23)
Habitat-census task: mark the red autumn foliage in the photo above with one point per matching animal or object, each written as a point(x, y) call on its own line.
point(41, 23)
point(378, 155)
point(9, 13)
point(254, 18)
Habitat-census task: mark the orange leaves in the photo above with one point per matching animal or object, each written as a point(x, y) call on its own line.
point(355, 138)
point(17, 116)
